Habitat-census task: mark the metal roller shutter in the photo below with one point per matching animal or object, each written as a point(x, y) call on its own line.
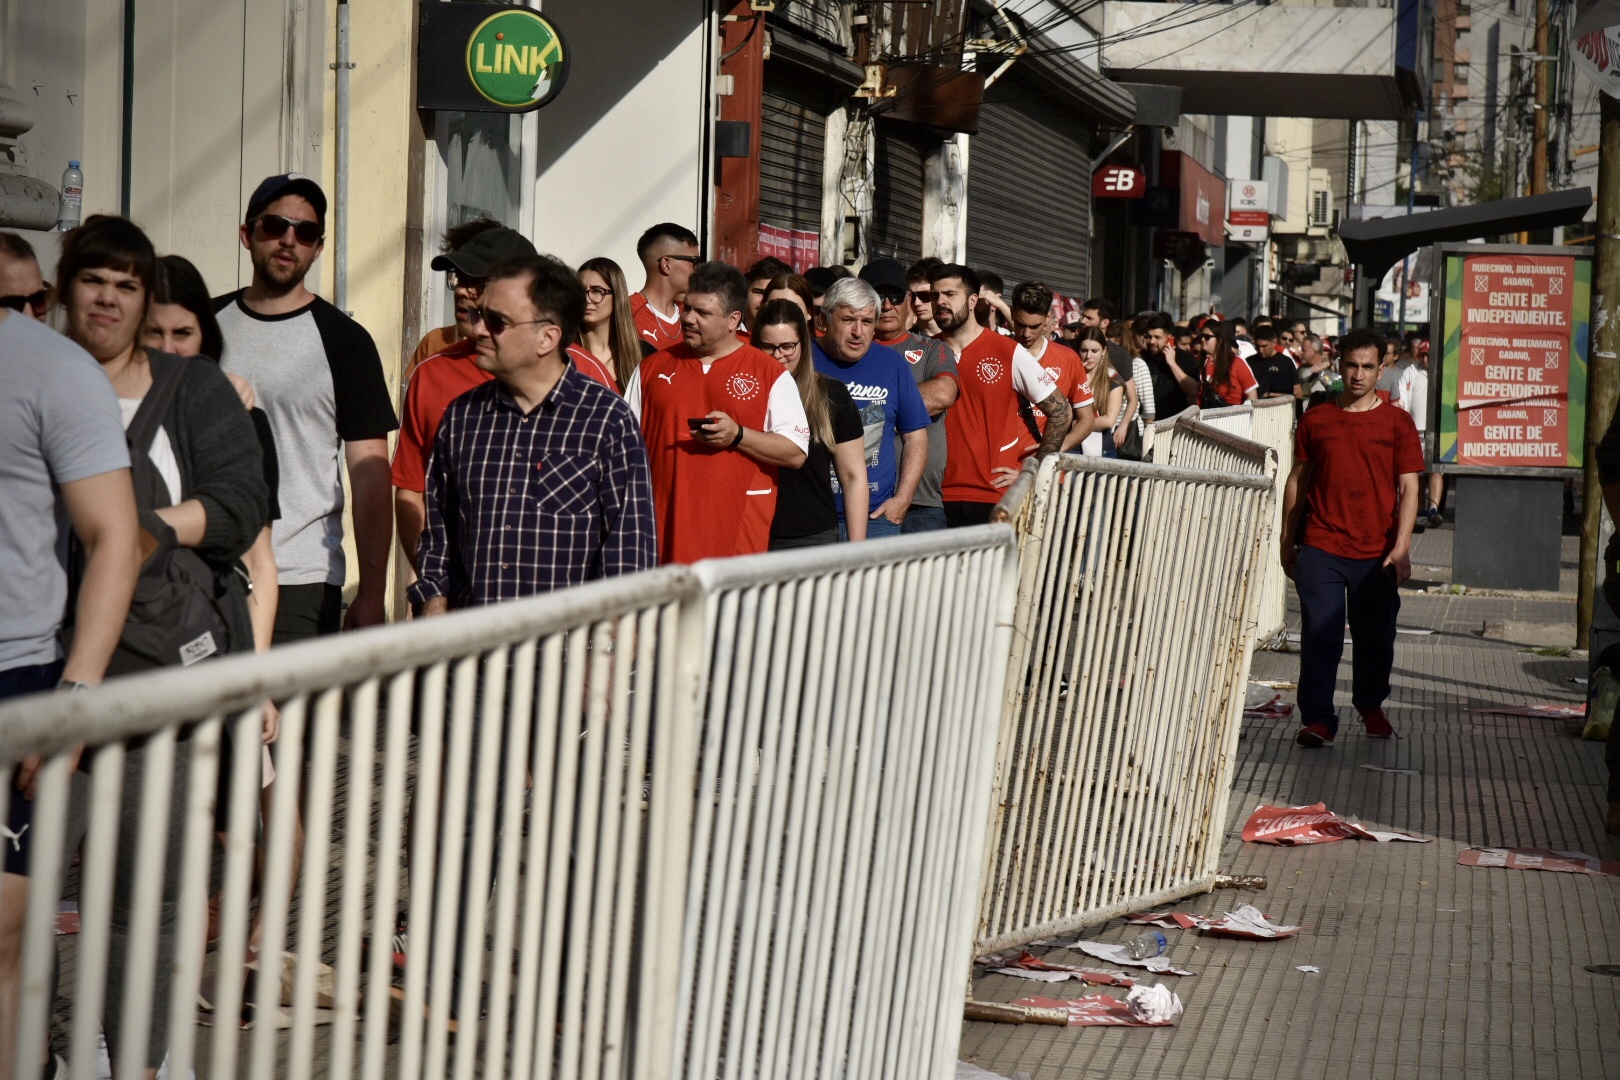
point(792, 147)
point(1029, 193)
point(897, 195)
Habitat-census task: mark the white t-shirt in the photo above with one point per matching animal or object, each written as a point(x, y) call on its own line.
point(1412, 394)
point(161, 452)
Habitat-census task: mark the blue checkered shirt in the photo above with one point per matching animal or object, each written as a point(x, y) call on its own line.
point(524, 503)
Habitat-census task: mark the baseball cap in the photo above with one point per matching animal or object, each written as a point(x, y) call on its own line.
point(885, 275)
point(274, 187)
point(479, 255)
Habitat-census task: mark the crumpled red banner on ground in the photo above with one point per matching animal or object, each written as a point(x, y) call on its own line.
point(1094, 1010)
point(1291, 826)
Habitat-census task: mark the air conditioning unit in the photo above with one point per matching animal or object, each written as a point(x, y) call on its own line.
point(1321, 208)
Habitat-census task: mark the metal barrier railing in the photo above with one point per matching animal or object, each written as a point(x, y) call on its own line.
point(1233, 419)
point(848, 743)
point(1131, 644)
point(608, 923)
point(1273, 426)
point(1198, 445)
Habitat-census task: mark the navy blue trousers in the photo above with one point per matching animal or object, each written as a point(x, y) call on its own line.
point(1329, 588)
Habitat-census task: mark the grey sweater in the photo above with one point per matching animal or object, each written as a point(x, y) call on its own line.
point(218, 453)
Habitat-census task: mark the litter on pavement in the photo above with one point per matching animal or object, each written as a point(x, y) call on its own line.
point(1565, 862)
point(1030, 966)
point(1145, 1006)
point(1246, 922)
point(1386, 768)
point(1289, 826)
point(1550, 711)
point(968, 1071)
point(1116, 954)
point(1309, 969)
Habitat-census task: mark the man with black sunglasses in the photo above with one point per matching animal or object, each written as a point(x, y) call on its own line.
point(668, 252)
point(320, 380)
point(22, 288)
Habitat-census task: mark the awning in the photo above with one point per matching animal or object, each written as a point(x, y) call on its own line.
point(1380, 243)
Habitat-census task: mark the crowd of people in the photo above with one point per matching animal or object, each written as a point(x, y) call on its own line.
point(560, 430)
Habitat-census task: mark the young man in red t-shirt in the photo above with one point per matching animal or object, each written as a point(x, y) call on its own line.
point(1356, 463)
point(1031, 306)
point(985, 435)
point(668, 252)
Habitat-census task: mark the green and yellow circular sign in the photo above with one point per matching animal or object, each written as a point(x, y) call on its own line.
point(515, 58)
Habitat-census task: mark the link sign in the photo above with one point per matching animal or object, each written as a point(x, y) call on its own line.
point(487, 58)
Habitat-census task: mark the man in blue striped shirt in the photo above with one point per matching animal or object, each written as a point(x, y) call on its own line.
point(539, 479)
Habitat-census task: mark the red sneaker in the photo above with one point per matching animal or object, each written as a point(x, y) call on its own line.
point(1313, 736)
point(1377, 724)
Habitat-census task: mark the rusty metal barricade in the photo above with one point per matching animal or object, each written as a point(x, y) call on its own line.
point(1125, 685)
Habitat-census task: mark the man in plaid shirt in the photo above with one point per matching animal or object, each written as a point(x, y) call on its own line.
point(538, 478)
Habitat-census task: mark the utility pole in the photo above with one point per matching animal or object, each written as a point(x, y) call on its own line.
point(1603, 369)
point(1538, 167)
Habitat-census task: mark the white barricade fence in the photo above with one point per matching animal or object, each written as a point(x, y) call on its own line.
point(1161, 435)
point(1233, 419)
point(641, 819)
point(846, 765)
point(1198, 445)
point(1124, 694)
point(1274, 427)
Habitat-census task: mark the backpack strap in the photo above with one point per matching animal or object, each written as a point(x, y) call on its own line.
point(167, 374)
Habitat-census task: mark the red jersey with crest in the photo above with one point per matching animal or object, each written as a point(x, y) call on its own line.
point(652, 328)
point(986, 428)
point(1069, 372)
point(710, 502)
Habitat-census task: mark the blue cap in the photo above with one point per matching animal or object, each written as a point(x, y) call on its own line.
point(274, 187)
point(73, 164)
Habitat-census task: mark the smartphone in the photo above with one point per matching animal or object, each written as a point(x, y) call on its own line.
point(697, 424)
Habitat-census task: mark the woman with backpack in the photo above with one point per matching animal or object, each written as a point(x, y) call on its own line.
point(201, 493)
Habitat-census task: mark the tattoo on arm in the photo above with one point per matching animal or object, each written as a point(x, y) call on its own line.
point(1058, 418)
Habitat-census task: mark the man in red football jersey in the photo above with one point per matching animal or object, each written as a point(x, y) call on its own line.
point(719, 419)
point(668, 253)
point(986, 436)
point(1031, 305)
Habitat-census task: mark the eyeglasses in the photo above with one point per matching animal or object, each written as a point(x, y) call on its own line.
point(274, 227)
point(786, 348)
point(693, 259)
point(458, 280)
point(923, 297)
point(596, 293)
point(497, 323)
point(1207, 337)
point(36, 300)
point(893, 299)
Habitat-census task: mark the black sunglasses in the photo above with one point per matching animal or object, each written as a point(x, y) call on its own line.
point(925, 296)
point(274, 227)
point(37, 300)
point(496, 323)
point(893, 299)
point(693, 259)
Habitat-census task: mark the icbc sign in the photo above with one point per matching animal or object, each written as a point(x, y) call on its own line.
point(1119, 182)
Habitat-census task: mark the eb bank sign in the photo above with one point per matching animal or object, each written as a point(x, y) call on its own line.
point(487, 58)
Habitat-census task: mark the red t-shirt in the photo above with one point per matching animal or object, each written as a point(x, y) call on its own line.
point(986, 428)
point(651, 326)
point(1357, 460)
point(437, 382)
point(710, 502)
point(1239, 381)
point(1069, 372)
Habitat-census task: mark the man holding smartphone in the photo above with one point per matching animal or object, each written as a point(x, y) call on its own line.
point(1356, 464)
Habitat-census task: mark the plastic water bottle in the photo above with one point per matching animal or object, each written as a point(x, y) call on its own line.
point(72, 197)
point(1150, 944)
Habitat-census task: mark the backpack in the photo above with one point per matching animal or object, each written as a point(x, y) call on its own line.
point(183, 610)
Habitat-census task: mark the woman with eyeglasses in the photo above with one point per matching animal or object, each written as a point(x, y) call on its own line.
point(806, 513)
point(202, 486)
point(608, 331)
point(1226, 374)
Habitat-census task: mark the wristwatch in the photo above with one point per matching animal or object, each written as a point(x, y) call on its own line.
point(71, 686)
point(738, 440)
